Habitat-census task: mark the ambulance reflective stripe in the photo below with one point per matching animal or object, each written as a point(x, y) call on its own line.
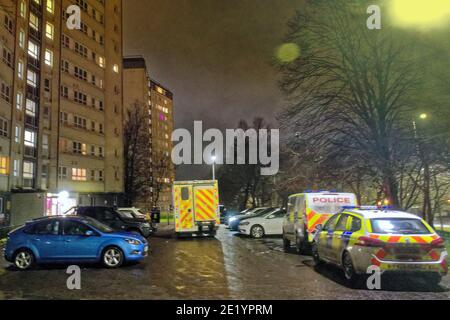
point(205, 204)
point(177, 207)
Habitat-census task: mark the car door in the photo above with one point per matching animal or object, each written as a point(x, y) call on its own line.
point(326, 237)
point(81, 242)
point(288, 224)
point(274, 223)
point(340, 238)
point(46, 238)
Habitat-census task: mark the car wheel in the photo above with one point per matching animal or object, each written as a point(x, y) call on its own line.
point(353, 279)
point(301, 246)
point(257, 232)
point(24, 259)
point(286, 244)
point(315, 254)
point(112, 257)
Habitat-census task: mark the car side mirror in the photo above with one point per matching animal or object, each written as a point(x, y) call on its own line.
point(319, 227)
point(89, 233)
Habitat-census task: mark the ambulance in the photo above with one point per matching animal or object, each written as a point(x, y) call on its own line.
point(307, 210)
point(196, 208)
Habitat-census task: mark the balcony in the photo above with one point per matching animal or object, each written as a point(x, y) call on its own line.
point(34, 34)
point(34, 63)
point(31, 121)
point(30, 152)
point(32, 93)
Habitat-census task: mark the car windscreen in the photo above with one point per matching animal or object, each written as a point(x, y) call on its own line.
point(97, 225)
point(398, 226)
point(126, 214)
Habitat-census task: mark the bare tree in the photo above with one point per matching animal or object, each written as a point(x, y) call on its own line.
point(137, 147)
point(161, 171)
point(349, 88)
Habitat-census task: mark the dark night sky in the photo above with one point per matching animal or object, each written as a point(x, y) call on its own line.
point(215, 55)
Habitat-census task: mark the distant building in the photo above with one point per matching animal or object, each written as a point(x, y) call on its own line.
point(140, 88)
point(61, 106)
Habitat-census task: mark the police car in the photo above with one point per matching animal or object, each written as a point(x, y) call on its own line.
point(394, 241)
point(270, 223)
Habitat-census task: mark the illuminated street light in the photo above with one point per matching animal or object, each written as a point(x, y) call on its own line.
point(214, 158)
point(63, 195)
point(423, 116)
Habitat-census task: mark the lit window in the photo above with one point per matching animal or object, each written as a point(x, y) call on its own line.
point(18, 134)
point(32, 78)
point(101, 62)
point(28, 170)
point(22, 39)
point(19, 100)
point(79, 174)
point(23, 8)
point(4, 165)
point(34, 22)
point(30, 108)
point(33, 50)
point(30, 138)
point(49, 57)
point(51, 6)
point(20, 69)
point(16, 168)
point(49, 30)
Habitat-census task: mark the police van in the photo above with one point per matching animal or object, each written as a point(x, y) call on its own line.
point(307, 210)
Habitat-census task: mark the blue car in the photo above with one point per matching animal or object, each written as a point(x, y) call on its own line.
point(72, 239)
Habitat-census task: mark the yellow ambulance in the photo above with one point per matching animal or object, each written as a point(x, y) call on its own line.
point(196, 208)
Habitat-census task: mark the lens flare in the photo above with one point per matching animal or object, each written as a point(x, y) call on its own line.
point(288, 52)
point(420, 13)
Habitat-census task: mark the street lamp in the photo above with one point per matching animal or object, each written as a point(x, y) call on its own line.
point(423, 116)
point(214, 158)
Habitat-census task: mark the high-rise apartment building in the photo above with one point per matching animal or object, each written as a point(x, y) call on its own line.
point(62, 113)
point(140, 89)
point(162, 128)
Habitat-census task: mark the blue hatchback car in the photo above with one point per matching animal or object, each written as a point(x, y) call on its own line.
point(72, 239)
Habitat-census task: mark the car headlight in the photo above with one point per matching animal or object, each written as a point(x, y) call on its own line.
point(133, 241)
point(233, 219)
point(244, 223)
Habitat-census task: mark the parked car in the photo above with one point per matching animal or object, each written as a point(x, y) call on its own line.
point(269, 223)
point(72, 239)
point(136, 212)
point(234, 221)
point(306, 211)
point(393, 241)
point(231, 214)
point(118, 220)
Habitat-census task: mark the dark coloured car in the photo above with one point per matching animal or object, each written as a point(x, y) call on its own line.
point(118, 220)
point(68, 239)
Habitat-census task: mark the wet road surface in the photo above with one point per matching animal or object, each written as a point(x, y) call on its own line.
point(226, 267)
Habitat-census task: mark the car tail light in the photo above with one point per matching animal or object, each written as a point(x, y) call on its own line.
point(438, 243)
point(369, 242)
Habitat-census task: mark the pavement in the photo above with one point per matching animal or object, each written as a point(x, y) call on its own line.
point(229, 266)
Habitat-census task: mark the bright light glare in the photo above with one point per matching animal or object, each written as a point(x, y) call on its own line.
point(423, 116)
point(420, 13)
